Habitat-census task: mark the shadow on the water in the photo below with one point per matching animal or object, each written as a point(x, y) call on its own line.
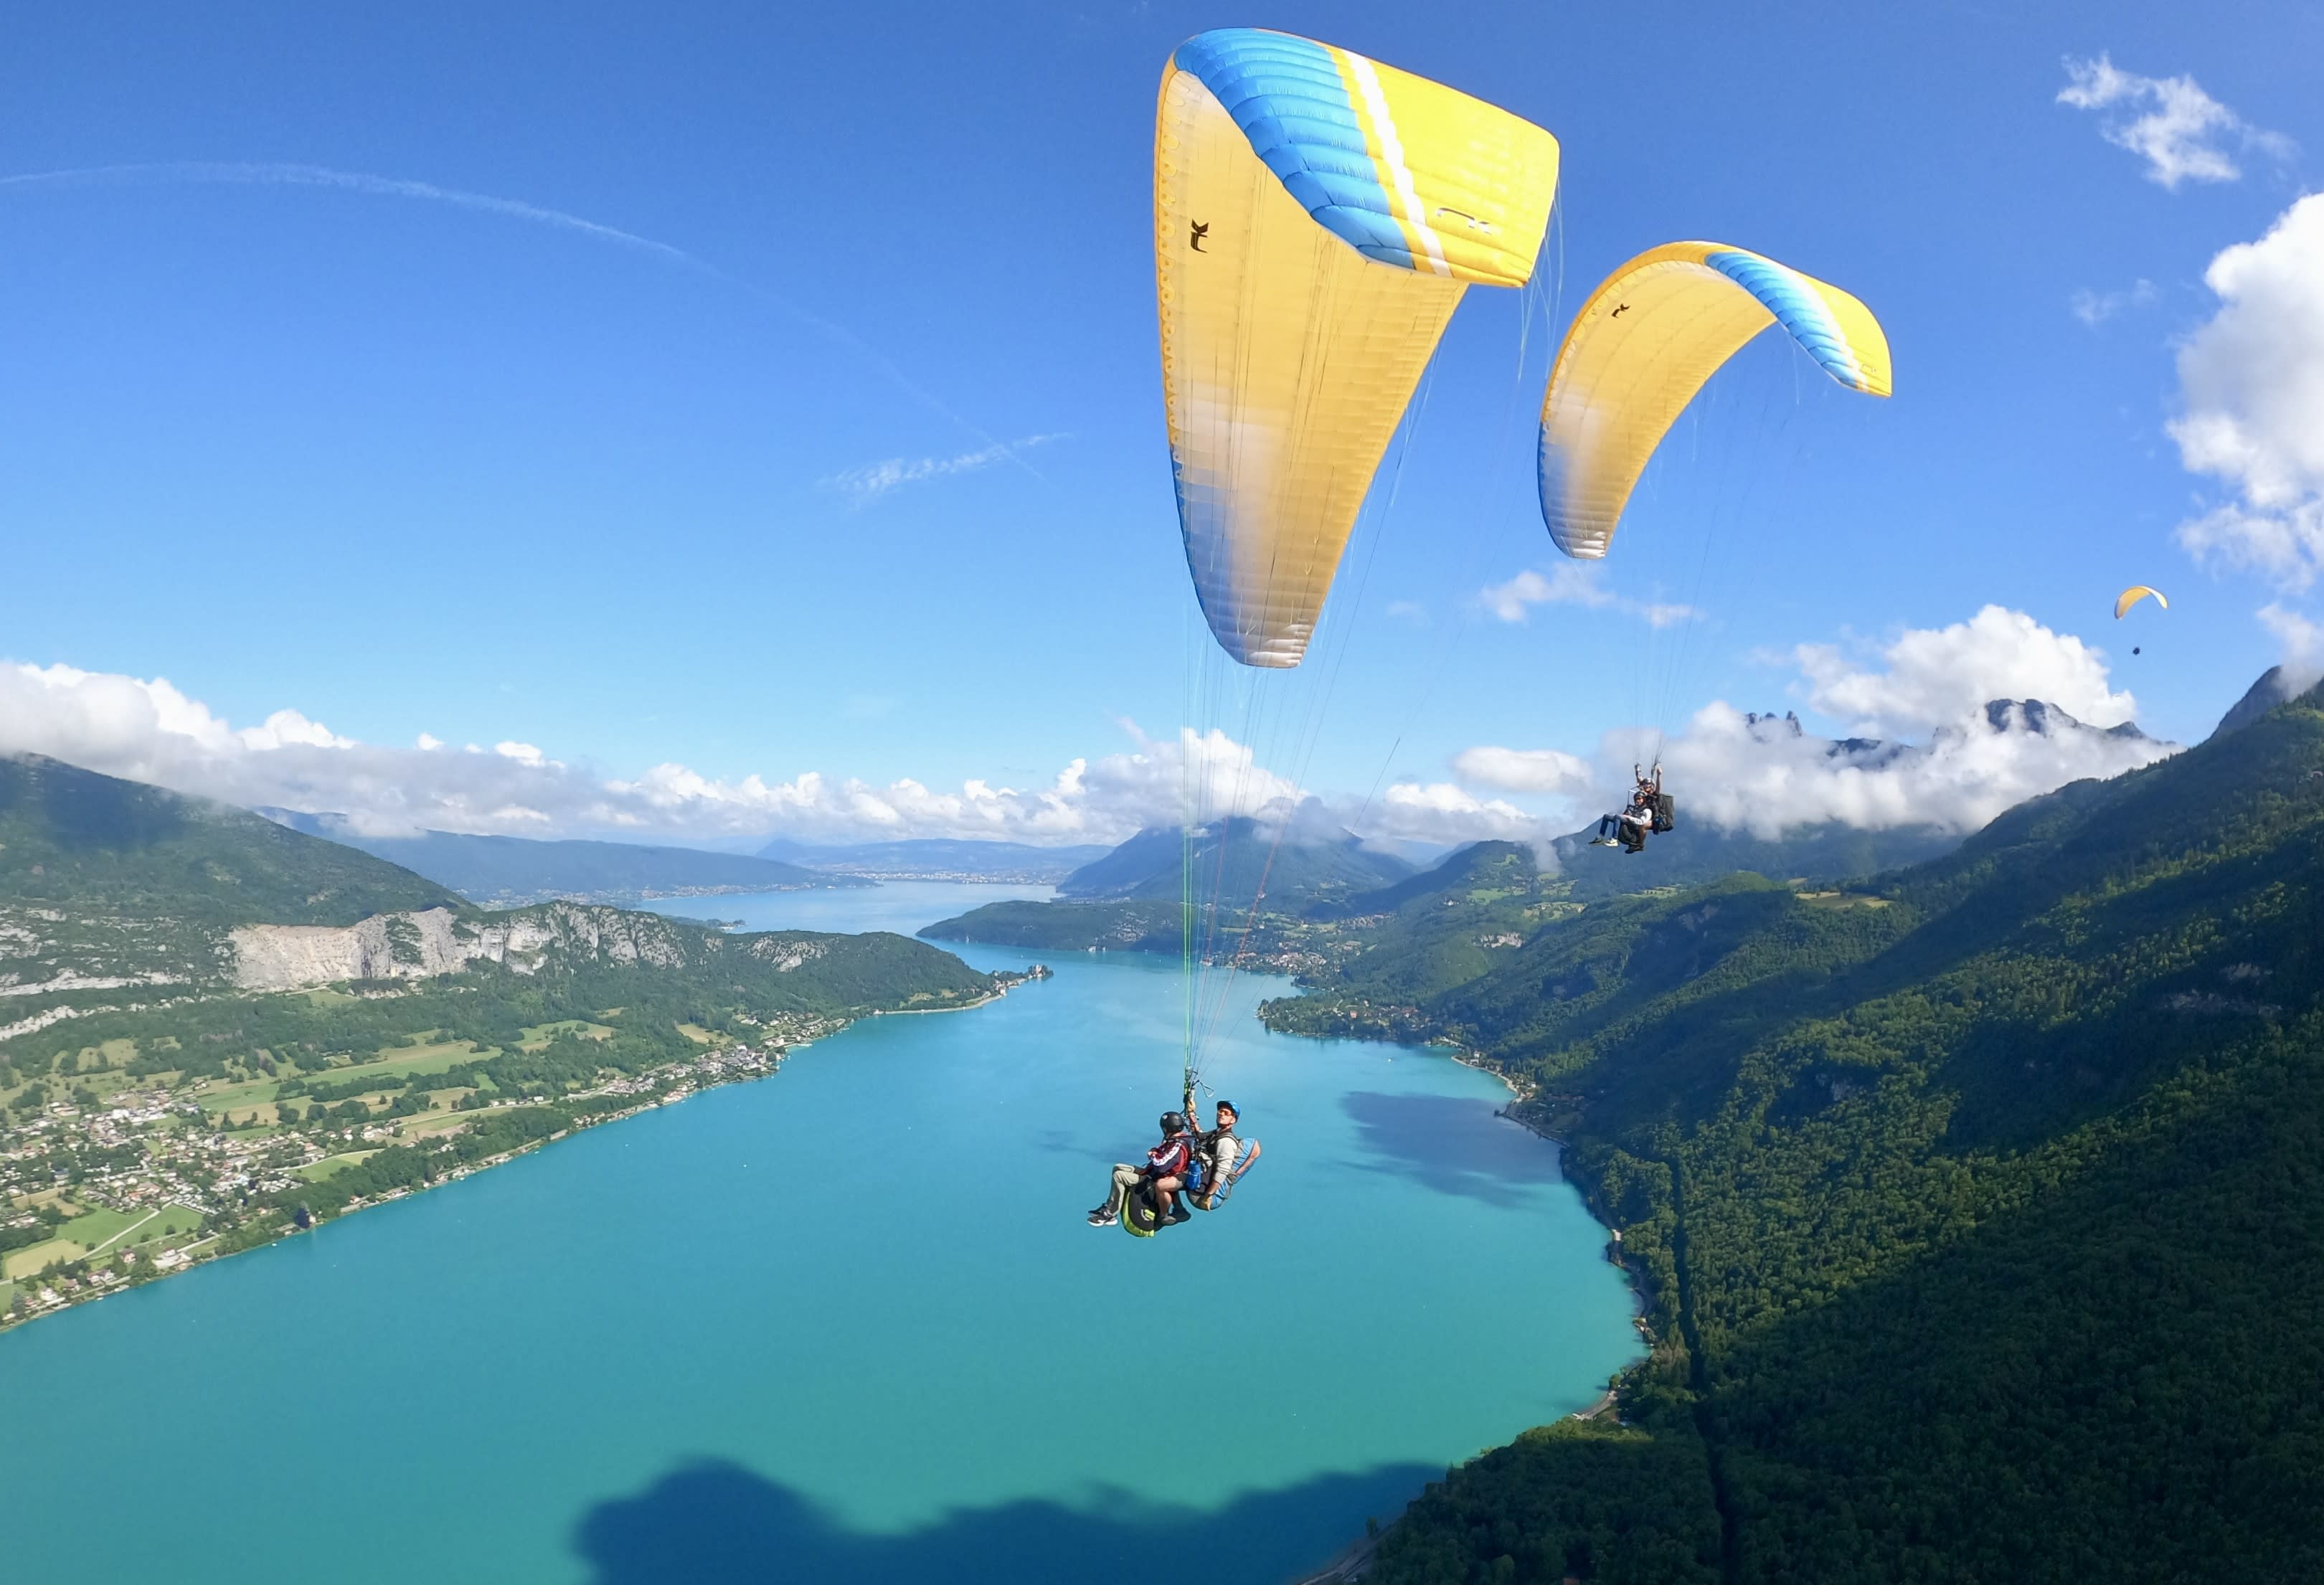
point(715, 1523)
point(1058, 1142)
point(1453, 1144)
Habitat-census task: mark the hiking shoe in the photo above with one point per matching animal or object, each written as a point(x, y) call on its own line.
point(1100, 1217)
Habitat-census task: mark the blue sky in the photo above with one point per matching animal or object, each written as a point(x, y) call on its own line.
point(849, 459)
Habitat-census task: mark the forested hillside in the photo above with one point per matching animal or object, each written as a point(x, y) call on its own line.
point(1697, 852)
point(1977, 1210)
point(77, 840)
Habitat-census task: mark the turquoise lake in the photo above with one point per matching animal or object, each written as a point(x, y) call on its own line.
point(847, 1324)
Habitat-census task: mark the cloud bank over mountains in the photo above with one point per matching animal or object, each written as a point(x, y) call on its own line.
point(1932, 686)
point(150, 731)
point(1928, 678)
point(1926, 749)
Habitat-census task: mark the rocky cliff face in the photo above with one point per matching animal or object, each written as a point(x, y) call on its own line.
point(434, 941)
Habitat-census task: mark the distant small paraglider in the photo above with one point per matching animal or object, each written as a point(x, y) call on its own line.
point(2132, 596)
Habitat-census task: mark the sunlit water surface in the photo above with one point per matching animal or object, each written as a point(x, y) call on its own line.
point(848, 1323)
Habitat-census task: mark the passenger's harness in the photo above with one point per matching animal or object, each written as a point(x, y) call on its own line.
point(1206, 1155)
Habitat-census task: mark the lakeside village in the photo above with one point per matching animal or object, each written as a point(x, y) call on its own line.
point(103, 1193)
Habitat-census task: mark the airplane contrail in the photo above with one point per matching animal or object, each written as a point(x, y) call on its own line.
point(289, 175)
point(249, 174)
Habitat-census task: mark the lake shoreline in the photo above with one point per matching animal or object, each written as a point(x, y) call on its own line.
point(1352, 1562)
point(1353, 1559)
point(147, 1272)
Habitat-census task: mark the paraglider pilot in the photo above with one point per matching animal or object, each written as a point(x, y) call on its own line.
point(1221, 1157)
point(1628, 829)
point(1165, 1163)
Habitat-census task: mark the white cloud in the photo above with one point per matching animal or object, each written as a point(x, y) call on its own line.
point(2302, 640)
point(1440, 812)
point(286, 727)
point(2251, 383)
point(427, 742)
point(1933, 676)
point(1767, 774)
point(865, 486)
point(2094, 309)
point(1524, 771)
point(2182, 133)
point(1570, 583)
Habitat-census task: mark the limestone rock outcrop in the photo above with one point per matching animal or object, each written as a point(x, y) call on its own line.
point(429, 942)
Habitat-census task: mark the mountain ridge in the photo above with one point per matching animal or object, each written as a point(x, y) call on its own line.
point(1234, 862)
point(510, 872)
point(938, 859)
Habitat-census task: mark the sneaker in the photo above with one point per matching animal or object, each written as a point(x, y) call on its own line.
point(1100, 1217)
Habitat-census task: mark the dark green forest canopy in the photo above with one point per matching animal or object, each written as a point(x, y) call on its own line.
point(1977, 1208)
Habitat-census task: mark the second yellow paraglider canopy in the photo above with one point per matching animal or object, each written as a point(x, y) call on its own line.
point(2134, 595)
point(1646, 340)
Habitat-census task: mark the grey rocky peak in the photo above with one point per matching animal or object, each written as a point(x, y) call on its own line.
point(2045, 719)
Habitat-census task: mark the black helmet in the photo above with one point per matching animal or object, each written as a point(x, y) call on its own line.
point(1174, 1122)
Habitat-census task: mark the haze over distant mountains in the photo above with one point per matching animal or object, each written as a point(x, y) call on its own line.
point(510, 871)
point(1235, 859)
point(938, 859)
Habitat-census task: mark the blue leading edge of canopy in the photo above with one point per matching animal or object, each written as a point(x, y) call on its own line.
point(1287, 96)
point(1796, 306)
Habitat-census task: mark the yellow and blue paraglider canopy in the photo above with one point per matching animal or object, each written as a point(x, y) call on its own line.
point(1316, 219)
point(2132, 595)
point(1647, 341)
